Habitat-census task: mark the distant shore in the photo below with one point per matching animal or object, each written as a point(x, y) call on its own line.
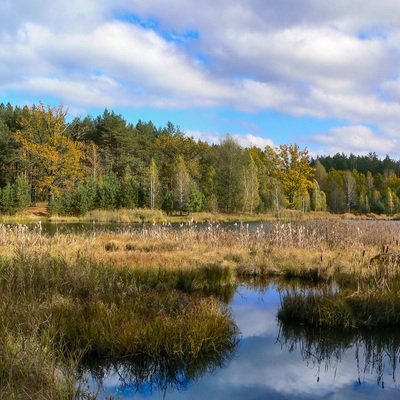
point(39, 213)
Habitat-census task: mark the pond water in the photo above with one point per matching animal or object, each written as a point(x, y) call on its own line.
point(97, 227)
point(52, 228)
point(272, 361)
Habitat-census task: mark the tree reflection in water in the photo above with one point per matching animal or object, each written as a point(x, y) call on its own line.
point(376, 352)
point(144, 374)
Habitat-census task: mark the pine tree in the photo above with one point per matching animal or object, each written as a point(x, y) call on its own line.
point(21, 194)
point(109, 191)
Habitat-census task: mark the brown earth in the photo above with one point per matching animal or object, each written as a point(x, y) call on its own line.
point(37, 211)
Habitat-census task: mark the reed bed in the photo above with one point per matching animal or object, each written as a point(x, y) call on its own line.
point(322, 249)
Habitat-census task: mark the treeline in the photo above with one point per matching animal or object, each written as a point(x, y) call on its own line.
point(105, 162)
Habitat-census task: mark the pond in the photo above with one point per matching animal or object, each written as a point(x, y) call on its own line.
point(52, 228)
point(271, 360)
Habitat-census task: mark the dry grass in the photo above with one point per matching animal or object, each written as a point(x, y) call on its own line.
point(333, 247)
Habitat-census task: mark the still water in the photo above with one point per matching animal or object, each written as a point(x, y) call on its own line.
point(51, 228)
point(274, 361)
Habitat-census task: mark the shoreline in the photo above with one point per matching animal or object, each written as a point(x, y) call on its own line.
point(39, 213)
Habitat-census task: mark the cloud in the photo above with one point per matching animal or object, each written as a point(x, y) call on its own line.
point(245, 140)
point(359, 140)
point(298, 58)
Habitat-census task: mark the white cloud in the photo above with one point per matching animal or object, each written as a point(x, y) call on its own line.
point(339, 59)
point(245, 140)
point(251, 140)
point(359, 140)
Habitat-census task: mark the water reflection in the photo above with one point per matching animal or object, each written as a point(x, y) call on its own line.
point(273, 360)
point(376, 353)
point(144, 376)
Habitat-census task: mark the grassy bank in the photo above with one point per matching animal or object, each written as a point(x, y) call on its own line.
point(324, 250)
point(39, 212)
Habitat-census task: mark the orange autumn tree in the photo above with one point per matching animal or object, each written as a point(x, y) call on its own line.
point(51, 160)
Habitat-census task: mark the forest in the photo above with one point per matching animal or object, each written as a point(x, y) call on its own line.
point(105, 162)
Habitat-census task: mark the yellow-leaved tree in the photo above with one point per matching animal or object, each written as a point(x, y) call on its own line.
point(51, 160)
point(293, 170)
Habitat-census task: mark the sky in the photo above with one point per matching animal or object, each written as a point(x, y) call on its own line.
point(322, 74)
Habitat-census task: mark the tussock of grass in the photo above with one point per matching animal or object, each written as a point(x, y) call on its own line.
point(342, 310)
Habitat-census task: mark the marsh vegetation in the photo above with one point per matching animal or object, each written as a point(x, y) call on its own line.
point(161, 293)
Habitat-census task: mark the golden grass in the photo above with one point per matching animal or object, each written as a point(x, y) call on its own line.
point(334, 247)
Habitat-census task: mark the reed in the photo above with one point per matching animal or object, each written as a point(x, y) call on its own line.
point(342, 309)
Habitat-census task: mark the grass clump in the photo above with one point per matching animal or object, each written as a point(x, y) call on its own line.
point(341, 309)
point(111, 246)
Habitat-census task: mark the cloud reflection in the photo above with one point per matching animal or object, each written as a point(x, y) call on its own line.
point(281, 363)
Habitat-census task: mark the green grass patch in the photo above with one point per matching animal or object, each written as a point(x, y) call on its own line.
point(342, 309)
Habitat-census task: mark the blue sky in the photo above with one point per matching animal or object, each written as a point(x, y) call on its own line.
point(324, 75)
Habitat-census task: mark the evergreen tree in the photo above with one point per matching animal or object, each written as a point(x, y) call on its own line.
point(21, 194)
point(196, 199)
point(7, 199)
point(167, 202)
point(129, 191)
point(109, 192)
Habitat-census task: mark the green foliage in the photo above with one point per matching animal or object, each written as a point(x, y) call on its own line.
point(130, 164)
point(181, 184)
point(7, 199)
point(129, 192)
point(229, 158)
point(15, 197)
point(167, 202)
point(22, 194)
point(77, 202)
point(109, 192)
point(196, 200)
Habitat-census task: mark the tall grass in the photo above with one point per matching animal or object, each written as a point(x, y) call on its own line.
point(59, 303)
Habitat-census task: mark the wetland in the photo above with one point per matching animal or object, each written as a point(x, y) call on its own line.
point(281, 310)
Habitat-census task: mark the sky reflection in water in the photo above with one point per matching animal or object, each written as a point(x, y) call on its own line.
point(268, 364)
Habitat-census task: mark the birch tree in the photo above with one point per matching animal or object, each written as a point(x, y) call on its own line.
point(350, 189)
point(153, 183)
point(251, 185)
point(229, 167)
point(181, 188)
